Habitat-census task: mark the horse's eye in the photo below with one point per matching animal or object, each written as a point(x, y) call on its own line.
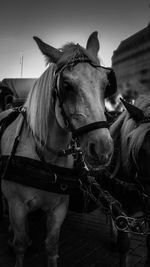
point(68, 88)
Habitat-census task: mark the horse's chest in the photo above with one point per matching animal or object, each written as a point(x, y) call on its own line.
point(32, 198)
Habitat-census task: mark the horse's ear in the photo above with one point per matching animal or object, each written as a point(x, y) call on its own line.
point(50, 52)
point(93, 45)
point(136, 113)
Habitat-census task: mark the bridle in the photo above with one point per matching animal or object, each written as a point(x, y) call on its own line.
point(57, 89)
point(57, 94)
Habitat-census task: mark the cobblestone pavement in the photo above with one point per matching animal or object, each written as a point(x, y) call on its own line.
point(85, 241)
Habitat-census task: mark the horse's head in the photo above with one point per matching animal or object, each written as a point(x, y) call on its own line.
point(81, 85)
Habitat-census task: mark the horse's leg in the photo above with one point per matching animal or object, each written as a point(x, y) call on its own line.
point(55, 219)
point(18, 214)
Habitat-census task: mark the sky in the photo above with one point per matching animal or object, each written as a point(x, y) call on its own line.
point(57, 22)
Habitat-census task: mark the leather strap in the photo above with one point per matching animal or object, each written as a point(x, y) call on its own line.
point(90, 127)
point(40, 175)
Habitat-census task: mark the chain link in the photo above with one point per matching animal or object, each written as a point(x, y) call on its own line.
point(124, 223)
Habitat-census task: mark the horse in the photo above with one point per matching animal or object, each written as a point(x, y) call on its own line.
point(130, 133)
point(61, 126)
point(130, 163)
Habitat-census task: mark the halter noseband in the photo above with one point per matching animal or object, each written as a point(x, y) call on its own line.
point(86, 128)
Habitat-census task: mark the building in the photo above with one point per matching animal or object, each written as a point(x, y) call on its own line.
point(131, 62)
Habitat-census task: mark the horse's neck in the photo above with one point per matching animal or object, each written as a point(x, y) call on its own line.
point(115, 166)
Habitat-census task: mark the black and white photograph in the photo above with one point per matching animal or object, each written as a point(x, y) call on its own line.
point(74, 133)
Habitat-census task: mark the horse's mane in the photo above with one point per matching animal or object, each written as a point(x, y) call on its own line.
point(115, 133)
point(131, 134)
point(39, 105)
point(39, 101)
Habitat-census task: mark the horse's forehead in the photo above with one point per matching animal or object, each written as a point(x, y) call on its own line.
point(86, 73)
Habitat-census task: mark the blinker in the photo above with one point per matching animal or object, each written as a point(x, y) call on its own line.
point(111, 88)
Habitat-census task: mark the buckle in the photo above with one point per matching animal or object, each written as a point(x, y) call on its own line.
point(63, 187)
point(122, 223)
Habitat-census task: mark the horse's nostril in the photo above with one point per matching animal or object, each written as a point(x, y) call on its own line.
point(92, 150)
point(99, 152)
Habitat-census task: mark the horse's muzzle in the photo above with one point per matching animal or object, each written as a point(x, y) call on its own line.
point(99, 152)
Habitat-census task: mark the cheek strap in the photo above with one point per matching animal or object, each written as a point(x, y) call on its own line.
point(58, 115)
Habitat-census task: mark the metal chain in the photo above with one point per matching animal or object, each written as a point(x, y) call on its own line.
point(122, 222)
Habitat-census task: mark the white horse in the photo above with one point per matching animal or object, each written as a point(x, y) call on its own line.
point(67, 100)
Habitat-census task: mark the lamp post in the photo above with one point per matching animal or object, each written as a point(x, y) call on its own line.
point(21, 63)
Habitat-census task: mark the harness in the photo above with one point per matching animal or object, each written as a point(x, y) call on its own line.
point(49, 177)
point(59, 179)
point(85, 193)
point(54, 179)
